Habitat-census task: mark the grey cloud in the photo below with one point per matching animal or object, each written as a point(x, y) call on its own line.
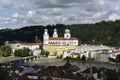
point(4, 4)
point(58, 3)
point(15, 5)
point(8, 6)
point(46, 12)
point(72, 1)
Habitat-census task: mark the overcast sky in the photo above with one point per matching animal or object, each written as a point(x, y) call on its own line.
point(20, 13)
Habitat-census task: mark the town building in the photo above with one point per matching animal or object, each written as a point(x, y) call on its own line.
point(33, 46)
point(97, 52)
point(115, 53)
point(56, 45)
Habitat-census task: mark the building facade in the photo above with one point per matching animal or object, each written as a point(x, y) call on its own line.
point(57, 45)
point(33, 46)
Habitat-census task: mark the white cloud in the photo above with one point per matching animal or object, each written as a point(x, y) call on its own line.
point(102, 2)
point(19, 13)
point(114, 17)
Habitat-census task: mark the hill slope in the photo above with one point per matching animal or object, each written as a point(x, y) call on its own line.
point(107, 33)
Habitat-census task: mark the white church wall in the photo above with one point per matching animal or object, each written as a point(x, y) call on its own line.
point(16, 46)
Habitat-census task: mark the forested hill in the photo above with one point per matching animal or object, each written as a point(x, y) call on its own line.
point(107, 33)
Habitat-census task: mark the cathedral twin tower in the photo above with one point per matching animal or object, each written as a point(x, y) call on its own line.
point(46, 37)
point(56, 44)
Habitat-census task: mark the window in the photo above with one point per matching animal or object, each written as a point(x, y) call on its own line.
point(18, 45)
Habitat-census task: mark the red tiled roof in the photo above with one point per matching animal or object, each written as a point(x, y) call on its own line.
point(62, 38)
point(23, 43)
point(56, 72)
point(37, 41)
point(30, 43)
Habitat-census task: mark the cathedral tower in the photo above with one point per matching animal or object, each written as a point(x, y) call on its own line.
point(45, 37)
point(55, 34)
point(67, 34)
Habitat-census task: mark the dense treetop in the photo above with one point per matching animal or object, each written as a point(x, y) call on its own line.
point(107, 33)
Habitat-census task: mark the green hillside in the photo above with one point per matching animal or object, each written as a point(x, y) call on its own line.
point(107, 33)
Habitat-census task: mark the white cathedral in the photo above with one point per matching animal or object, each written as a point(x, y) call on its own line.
point(55, 40)
point(56, 44)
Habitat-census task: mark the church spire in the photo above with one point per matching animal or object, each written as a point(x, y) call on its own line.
point(67, 34)
point(55, 34)
point(45, 37)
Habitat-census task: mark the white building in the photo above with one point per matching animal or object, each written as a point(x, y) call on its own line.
point(58, 45)
point(20, 45)
point(98, 52)
point(115, 53)
point(87, 48)
point(55, 40)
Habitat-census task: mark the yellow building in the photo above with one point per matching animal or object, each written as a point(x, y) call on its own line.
point(57, 45)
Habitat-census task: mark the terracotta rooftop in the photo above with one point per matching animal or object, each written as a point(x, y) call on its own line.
point(68, 66)
point(54, 71)
point(37, 41)
point(24, 43)
point(62, 38)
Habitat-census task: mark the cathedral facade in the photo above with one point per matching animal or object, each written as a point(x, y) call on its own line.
point(56, 45)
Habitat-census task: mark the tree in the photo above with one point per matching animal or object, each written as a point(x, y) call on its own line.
point(4, 74)
point(114, 74)
point(45, 53)
point(41, 46)
point(23, 52)
point(83, 58)
point(5, 50)
point(118, 58)
point(104, 32)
